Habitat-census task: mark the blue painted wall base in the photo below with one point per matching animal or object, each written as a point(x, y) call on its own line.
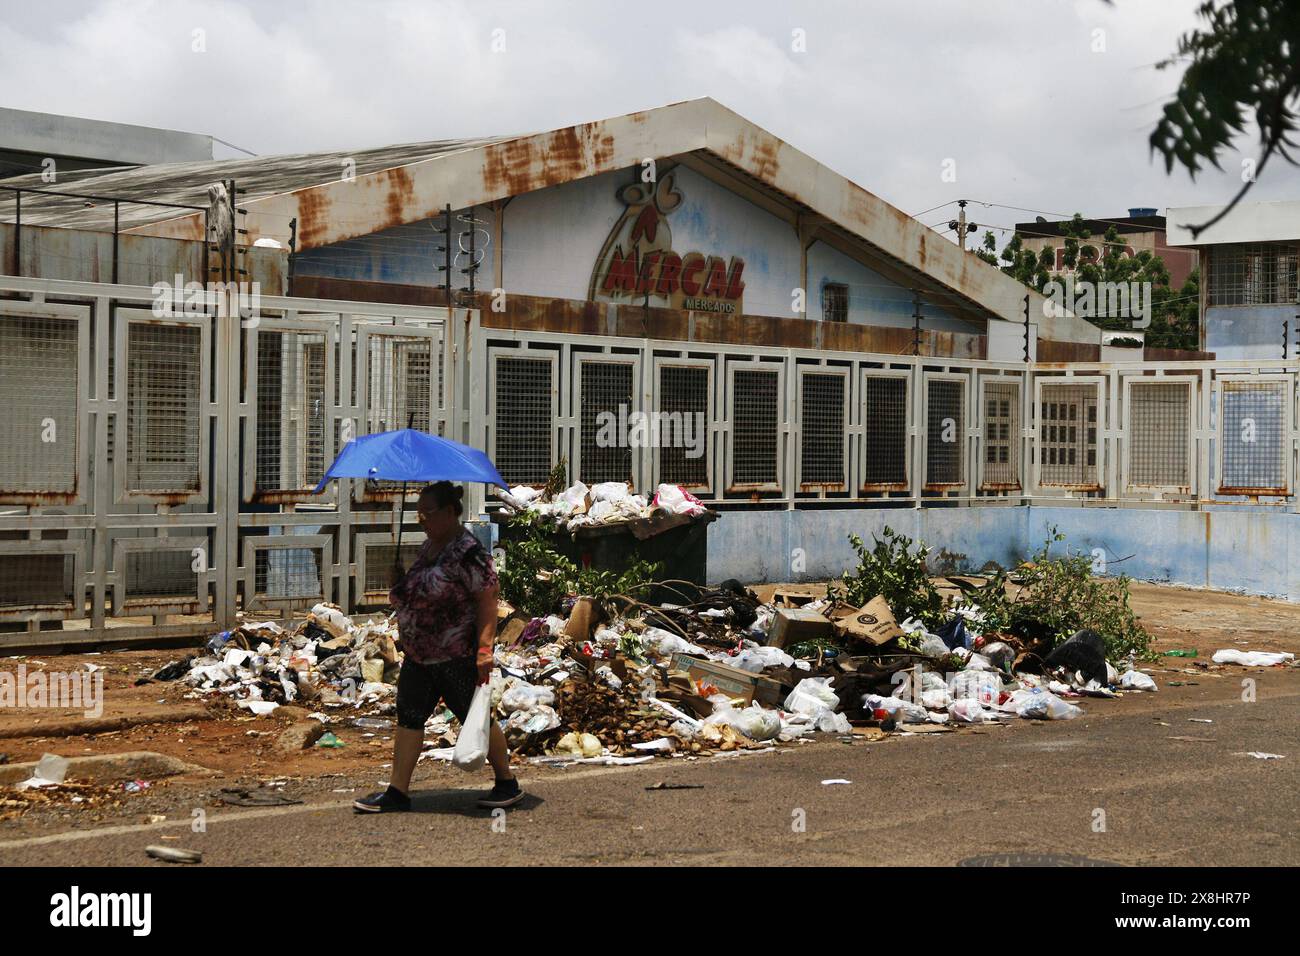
point(1232, 550)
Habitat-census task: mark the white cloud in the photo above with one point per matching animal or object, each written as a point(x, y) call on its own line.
point(884, 92)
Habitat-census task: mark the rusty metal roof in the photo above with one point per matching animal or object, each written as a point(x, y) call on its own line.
point(397, 185)
point(186, 183)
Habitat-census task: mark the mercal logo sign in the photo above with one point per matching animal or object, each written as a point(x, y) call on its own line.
point(637, 263)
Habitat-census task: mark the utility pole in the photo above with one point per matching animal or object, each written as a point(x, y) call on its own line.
point(960, 225)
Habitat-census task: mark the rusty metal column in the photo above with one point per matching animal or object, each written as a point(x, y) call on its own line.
point(18, 232)
point(116, 223)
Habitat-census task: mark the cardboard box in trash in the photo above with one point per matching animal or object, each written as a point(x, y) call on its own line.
point(731, 681)
point(873, 623)
point(793, 625)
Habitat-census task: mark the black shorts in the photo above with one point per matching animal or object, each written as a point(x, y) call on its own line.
point(419, 686)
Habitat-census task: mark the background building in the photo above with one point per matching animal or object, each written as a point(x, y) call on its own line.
point(1140, 229)
point(37, 142)
point(1248, 275)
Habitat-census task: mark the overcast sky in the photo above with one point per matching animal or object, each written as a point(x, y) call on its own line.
point(1016, 92)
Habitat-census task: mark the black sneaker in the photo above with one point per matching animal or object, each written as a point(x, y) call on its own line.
point(504, 793)
point(385, 801)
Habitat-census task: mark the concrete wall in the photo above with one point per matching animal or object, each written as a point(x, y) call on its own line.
point(82, 256)
point(1249, 551)
point(1248, 331)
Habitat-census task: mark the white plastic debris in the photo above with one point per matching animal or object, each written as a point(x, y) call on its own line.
point(836, 782)
point(758, 659)
point(1252, 658)
point(330, 619)
point(526, 697)
point(51, 770)
point(812, 695)
point(1136, 680)
point(260, 708)
point(676, 501)
point(1042, 705)
point(969, 711)
point(981, 686)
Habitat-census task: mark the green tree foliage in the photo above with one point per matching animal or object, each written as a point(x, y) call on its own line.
point(892, 570)
point(1175, 314)
point(1056, 595)
point(537, 579)
point(1242, 67)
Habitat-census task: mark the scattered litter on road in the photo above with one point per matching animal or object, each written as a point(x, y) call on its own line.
point(174, 854)
point(256, 797)
point(675, 786)
point(1260, 755)
point(1199, 720)
point(831, 783)
point(1252, 658)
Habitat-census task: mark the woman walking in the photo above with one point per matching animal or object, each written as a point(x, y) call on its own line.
point(447, 621)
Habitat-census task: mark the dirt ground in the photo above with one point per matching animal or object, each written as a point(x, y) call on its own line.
point(241, 748)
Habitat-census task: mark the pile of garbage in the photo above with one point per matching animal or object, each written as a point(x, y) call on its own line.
point(621, 680)
point(609, 502)
point(326, 661)
point(627, 681)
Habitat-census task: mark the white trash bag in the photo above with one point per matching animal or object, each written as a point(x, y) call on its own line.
point(1252, 658)
point(811, 696)
point(472, 744)
point(1136, 680)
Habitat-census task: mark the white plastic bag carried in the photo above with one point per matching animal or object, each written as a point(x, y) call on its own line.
point(472, 744)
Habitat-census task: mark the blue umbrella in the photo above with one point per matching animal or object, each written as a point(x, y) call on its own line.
point(409, 455)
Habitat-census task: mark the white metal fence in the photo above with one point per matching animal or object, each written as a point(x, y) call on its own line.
point(794, 428)
point(157, 470)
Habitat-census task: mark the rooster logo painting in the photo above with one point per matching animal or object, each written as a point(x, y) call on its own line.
point(637, 263)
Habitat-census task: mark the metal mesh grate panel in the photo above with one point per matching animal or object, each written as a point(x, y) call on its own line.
point(1252, 436)
point(1158, 431)
point(1252, 274)
point(886, 431)
point(684, 400)
point(36, 579)
point(1067, 436)
point(292, 408)
point(160, 574)
point(1001, 434)
point(38, 387)
point(754, 426)
point(606, 452)
point(821, 451)
point(399, 382)
point(284, 573)
point(524, 425)
point(379, 564)
point(162, 407)
point(945, 441)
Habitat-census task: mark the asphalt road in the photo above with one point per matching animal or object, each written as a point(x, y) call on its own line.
point(1113, 787)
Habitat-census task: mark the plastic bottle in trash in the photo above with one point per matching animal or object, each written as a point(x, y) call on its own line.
point(218, 641)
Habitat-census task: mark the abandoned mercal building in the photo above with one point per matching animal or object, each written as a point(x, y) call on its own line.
point(852, 367)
